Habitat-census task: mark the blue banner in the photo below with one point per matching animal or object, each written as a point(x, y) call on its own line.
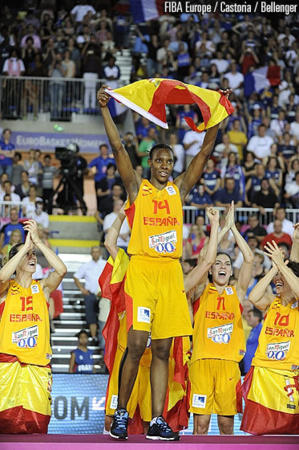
point(88, 143)
point(78, 406)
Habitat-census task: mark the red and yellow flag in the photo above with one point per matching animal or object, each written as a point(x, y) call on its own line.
point(149, 98)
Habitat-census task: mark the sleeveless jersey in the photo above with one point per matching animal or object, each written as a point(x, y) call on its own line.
point(156, 221)
point(278, 342)
point(83, 361)
point(218, 329)
point(24, 326)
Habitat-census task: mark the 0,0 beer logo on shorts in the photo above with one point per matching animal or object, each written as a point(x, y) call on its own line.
point(163, 243)
point(25, 338)
point(221, 335)
point(278, 350)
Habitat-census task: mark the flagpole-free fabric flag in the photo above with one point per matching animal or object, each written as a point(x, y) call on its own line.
point(143, 10)
point(149, 97)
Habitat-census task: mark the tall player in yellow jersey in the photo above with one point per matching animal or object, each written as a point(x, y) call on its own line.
point(218, 339)
point(271, 387)
point(155, 297)
point(25, 352)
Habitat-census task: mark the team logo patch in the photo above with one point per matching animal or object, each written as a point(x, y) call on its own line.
point(48, 356)
point(34, 289)
point(171, 190)
point(229, 290)
point(146, 190)
point(199, 401)
point(15, 290)
point(113, 403)
point(144, 315)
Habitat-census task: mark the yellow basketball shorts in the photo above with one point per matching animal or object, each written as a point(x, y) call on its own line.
point(155, 298)
point(213, 386)
point(25, 398)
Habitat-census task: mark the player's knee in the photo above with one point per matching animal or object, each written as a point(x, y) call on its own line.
point(136, 349)
point(226, 426)
point(201, 428)
point(161, 353)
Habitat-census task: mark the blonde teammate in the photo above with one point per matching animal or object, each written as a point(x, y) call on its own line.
point(25, 352)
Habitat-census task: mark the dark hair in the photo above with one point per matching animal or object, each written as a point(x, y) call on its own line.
point(14, 250)
point(82, 332)
point(111, 165)
point(47, 155)
point(257, 313)
point(157, 147)
point(191, 262)
point(294, 266)
point(226, 254)
point(18, 154)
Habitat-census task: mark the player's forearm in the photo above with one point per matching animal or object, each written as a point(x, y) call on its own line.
point(53, 259)
point(260, 288)
point(111, 130)
point(243, 246)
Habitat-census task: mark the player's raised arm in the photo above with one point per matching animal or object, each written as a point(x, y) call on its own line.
point(129, 177)
point(113, 233)
point(295, 247)
point(189, 178)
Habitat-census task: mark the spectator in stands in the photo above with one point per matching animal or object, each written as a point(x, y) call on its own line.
point(253, 184)
point(278, 125)
point(221, 63)
point(181, 123)
point(199, 198)
point(117, 193)
point(108, 46)
point(105, 185)
point(253, 243)
point(222, 150)
point(98, 166)
point(255, 229)
point(57, 87)
point(15, 238)
point(111, 72)
point(124, 235)
point(29, 202)
point(6, 153)
point(40, 216)
point(7, 186)
point(79, 11)
point(152, 51)
point(287, 147)
point(195, 242)
point(260, 144)
point(292, 192)
point(237, 137)
point(28, 54)
point(287, 226)
point(131, 145)
point(91, 68)
point(49, 172)
point(234, 170)
point(90, 272)
point(249, 166)
point(277, 236)
point(179, 154)
point(265, 198)
point(294, 130)
point(32, 167)
point(75, 55)
point(229, 193)
point(82, 357)
point(17, 168)
point(212, 180)
point(192, 143)
point(144, 147)
point(293, 167)
point(12, 225)
point(31, 32)
point(235, 79)
point(254, 319)
point(49, 55)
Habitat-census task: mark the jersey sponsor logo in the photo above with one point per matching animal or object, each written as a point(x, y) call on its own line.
point(229, 290)
point(25, 338)
point(113, 403)
point(31, 317)
point(283, 332)
point(171, 190)
point(199, 401)
point(35, 289)
point(278, 351)
point(161, 222)
point(222, 334)
point(144, 314)
point(220, 315)
point(163, 243)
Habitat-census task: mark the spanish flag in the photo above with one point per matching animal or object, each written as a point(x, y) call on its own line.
point(149, 98)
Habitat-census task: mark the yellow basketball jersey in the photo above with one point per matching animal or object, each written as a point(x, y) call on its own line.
point(156, 221)
point(218, 331)
point(24, 326)
point(278, 347)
